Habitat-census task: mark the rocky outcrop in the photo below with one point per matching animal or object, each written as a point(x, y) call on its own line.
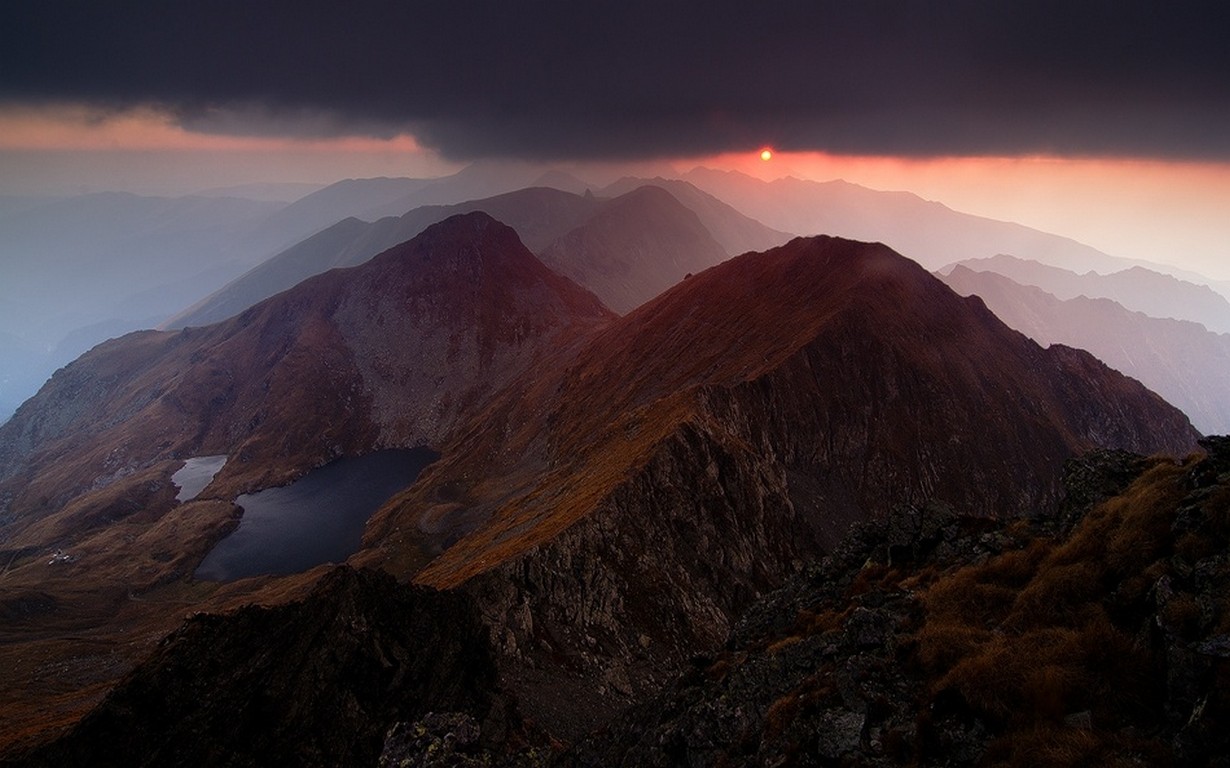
point(930, 638)
point(615, 603)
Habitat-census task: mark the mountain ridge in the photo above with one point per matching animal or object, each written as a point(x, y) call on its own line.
point(1179, 359)
point(1136, 288)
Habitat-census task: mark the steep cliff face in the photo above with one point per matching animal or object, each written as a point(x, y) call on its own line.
point(930, 638)
point(697, 450)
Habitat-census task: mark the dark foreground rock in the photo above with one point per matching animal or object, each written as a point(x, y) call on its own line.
point(313, 683)
point(1098, 636)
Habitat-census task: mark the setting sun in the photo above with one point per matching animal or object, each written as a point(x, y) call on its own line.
point(766, 154)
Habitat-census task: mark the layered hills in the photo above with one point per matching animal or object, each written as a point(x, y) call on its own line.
point(627, 248)
point(612, 493)
point(634, 247)
point(397, 352)
point(1138, 289)
point(929, 232)
point(695, 451)
point(1178, 359)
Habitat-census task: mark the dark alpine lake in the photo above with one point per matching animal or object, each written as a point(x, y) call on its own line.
point(317, 519)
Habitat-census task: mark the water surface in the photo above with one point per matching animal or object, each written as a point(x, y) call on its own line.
point(317, 519)
point(196, 473)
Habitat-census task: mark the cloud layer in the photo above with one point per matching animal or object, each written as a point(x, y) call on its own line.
point(608, 80)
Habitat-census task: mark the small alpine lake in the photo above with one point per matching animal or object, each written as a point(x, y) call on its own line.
point(317, 519)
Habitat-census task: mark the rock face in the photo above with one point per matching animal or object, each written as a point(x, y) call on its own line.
point(929, 638)
point(1180, 360)
point(311, 683)
point(1094, 635)
point(697, 451)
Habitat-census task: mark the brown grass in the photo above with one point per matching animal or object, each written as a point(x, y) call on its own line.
point(780, 715)
point(1061, 746)
point(1026, 639)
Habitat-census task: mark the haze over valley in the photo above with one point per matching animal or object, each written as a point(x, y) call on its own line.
point(484, 384)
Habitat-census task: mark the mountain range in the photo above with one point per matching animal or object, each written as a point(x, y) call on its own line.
point(125, 262)
point(581, 236)
point(1137, 289)
point(929, 232)
point(656, 421)
point(83, 269)
point(1178, 359)
point(674, 463)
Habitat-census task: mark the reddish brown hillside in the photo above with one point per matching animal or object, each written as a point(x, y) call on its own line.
point(395, 352)
point(698, 449)
point(399, 351)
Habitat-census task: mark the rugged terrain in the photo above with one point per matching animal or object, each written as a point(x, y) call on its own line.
point(95, 552)
point(698, 450)
point(1100, 636)
point(612, 494)
point(1097, 633)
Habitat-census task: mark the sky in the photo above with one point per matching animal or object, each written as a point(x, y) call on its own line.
point(1105, 120)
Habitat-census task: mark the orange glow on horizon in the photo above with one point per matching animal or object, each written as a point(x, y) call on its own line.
point(69, 127)
point(1165, 211)
point(1157, 210)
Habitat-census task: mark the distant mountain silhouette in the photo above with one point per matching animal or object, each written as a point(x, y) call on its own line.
point(97, 265)
point(340, 200)
point(639, 244)
point(928, 232)
point(1138, 289)
point(634, 247)
point(735, 232)
point(538, 214)
point(1180, 360)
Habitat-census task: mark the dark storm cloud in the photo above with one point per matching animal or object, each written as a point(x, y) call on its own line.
point(541, 78)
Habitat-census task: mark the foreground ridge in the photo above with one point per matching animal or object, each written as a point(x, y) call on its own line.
point(1095, 636)
point(1098, 634)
